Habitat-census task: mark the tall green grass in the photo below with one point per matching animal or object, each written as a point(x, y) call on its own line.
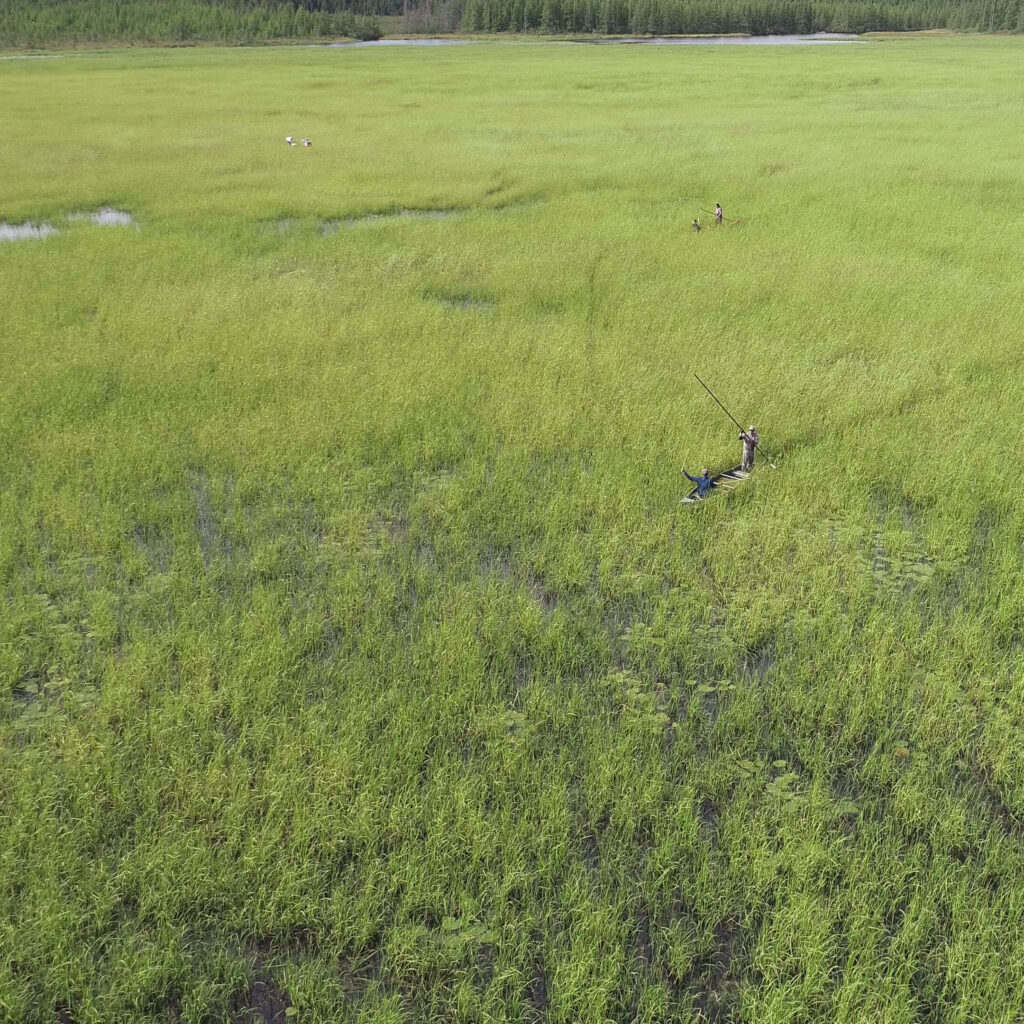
point(357, 657)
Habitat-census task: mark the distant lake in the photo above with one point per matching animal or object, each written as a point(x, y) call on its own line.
point(407, 42)
point(818, 37)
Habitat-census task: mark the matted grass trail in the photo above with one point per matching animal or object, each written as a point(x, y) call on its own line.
point(358, 659)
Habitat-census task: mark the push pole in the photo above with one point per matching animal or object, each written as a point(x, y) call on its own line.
point(727, 220)
point(733, 418)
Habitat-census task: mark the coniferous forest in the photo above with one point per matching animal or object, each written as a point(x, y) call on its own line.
point(36, 23)
point(756, 17)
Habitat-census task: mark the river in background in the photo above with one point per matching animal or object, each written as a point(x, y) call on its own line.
point(791, 40)
point(818, 37)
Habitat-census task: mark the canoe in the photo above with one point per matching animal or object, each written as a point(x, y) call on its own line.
point(728, 476)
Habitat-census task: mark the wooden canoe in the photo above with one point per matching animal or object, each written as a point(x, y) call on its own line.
point(729, 476)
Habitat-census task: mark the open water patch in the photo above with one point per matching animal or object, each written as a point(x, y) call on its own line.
point(782, 40)
point(401, 42)
point(105, 216)
point(25, 232)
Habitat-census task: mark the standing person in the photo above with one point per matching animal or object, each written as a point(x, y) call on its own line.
point(696, 224)
point(704, 482)
point(750, 439)
point(718, 213)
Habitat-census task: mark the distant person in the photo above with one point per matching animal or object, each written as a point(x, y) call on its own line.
point(704, 482)
point(718, 213)
point(307, 143)
point(290, 139)
point(696, 224)
point(750, 439)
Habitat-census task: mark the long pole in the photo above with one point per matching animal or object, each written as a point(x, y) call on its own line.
point(727, 220)
point(719, 404)
point(733, 418)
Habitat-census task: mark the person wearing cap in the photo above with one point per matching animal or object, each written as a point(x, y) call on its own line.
point(718, 213)
point(704, 482)
point(750, 439)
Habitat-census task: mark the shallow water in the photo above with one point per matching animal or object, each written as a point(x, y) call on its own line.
point(286, 224)
point(405, 42)
point(24, 232)
point(818, 37)
point(405, 214)
point(106, 216)
point(464, 301)
point(109, 217)
point(785, 40)
point(331, 226)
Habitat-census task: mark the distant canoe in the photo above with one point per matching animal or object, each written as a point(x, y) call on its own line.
point(728, 476)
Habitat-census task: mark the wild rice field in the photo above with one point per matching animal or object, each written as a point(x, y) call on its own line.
point(358, 660)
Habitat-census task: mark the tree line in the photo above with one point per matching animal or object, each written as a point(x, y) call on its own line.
point(756, 17)
point(34, 23)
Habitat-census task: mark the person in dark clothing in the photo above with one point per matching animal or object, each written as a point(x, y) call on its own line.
point(718, 213)
point(750, 438)
point(696, 224)
point(704, 482)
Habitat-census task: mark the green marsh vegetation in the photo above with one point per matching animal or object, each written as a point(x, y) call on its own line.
point(357, 658)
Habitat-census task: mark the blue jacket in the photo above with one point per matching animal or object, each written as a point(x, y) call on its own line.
point(704, 483)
